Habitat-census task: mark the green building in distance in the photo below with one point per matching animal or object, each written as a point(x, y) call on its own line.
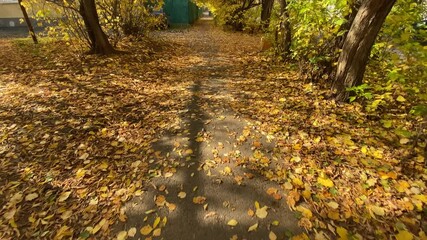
point(181, 12)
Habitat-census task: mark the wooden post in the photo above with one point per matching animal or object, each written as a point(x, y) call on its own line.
point(27, 20)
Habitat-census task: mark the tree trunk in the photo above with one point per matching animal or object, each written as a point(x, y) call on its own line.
point(98, 39)
point(27, 20)
point(355, 5)
point(283, 33)
point(267, 7)
point(358, 44)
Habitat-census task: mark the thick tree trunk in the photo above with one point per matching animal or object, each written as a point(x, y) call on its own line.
point(283, 33)
point(267, 7)
point(355, 5)
point(28, 22)
point(358, 44)
point(99, 40)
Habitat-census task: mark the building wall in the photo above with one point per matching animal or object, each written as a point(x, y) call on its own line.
point(10, 10)
point(177, 12)
point(10, 13)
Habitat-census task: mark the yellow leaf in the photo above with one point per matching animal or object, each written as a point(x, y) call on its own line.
point(271, 191)
point(188, 151)
point(334, 215)
point(404, 141)
point(80, 173)
point(122, 235)
point(171, 206)
point(199, 200)
point(297, 181)
point(378, 210)
point(227, 170)
point(164, 221)
point(146, 230)
point(232, 222)
point(402, 186)
point(253, 227)
point(64, 231)
point(31, 197)
point(160, 200)
point(157, 232)
point(257, 205)
point(325, 182)
point(400, 99)
point(272, 236)
point(132, 232)
point(99, 226)
point(275, 223)
point(364, 149)
point(333, 205)
point(10, 214)
point(103, 166)
point(343, 233)
point(422, 198)
point(404, 235)
point(66, 215)
point(64, 196)
point(156, 222)
point(305, 211)
point(182, 194)
point(168, 174)
point(261, 212)
point(251, 212)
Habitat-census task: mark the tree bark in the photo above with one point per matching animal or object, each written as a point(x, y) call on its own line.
point(355, 5)
point(266, 8)
point(283, 33)
point(99, 40)
point(358, 44)
point(29, 25)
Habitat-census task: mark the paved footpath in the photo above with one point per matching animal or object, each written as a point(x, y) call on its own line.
point(211, 190)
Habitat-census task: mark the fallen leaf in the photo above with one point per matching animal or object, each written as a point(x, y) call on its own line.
point(132, 232)
point(253, 227)
point(400, 99)
point(199, 200)
point(272, 236)
point(325, 182)
point(271, 191)
point(171, 207)
point(156, 222)
point(66, 215)
point(333, 205)
point(64, 196)
point(343, 233)
point(261, 212)
point(10, 214)
point(232, 222)
point(168, 174)
point(378, 210)
point(146, 230)
point(99, 226)
point(188, 151)
point(404, 235)
point(122, 235)
point(31, 197)
point(157, 232)
point(182, 194)
point(251, 212)
point(305, 211)
point(160, 200)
